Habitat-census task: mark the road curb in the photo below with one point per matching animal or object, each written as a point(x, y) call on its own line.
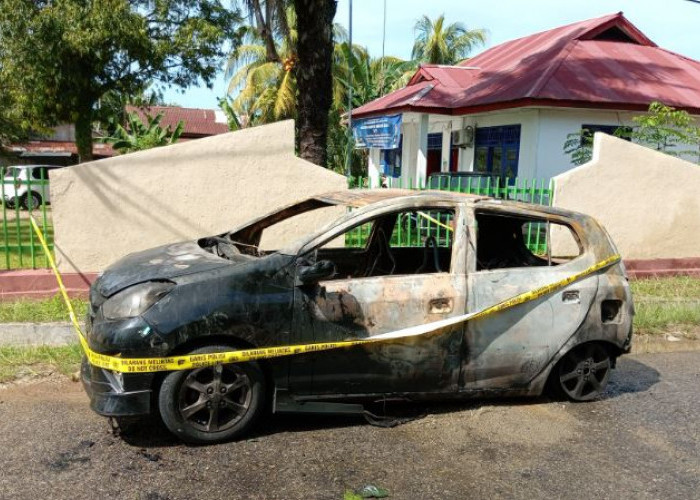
point(643, 344)
point(28, 334)
point(62, 333)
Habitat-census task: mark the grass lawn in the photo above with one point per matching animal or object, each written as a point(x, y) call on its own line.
point(18, 362)
point(663, 305)
point(667, 305)
point(40, 311)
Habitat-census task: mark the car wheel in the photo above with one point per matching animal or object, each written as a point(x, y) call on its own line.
point(212, 404)
point(31, 201)
point(583, 372)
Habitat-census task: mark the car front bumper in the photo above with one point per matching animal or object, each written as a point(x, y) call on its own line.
point(116, 395)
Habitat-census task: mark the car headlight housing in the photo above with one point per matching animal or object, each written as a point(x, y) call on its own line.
point(135, 300)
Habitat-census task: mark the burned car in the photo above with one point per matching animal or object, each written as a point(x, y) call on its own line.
point(390, 259)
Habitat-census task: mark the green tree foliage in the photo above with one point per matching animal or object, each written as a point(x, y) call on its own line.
point(232, 118)
point(666, 129)
point(111, 108)
point(62, 56)
point(440, 43)
point(264, 89)
point(579, 145)
point(138, 135)
point(662, 128)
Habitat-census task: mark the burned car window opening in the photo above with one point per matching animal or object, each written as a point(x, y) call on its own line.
point(250, 240)
point(416, 241)
point(511, 241)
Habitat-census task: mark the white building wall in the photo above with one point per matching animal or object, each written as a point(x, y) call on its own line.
point(556, 124)
point(543, 134)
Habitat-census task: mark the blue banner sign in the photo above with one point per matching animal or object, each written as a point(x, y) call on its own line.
point(383, 132)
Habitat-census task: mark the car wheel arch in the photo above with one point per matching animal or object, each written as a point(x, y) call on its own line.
point(614, 351)
point(217, 339)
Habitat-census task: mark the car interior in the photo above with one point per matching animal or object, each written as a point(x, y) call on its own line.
point(506, 240)
point(398, 243)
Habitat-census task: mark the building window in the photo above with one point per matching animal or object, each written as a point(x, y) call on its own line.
point(435, 141)
point(497, 150)
point(614, 130)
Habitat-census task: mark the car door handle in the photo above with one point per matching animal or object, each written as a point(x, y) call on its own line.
point(440, 306)
point(571, 297)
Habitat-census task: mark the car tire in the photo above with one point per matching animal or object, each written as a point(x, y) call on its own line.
point(31, 201)
point(212, 404)
point(582, 374)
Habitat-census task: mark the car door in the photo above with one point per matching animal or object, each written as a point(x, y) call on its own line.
point(371, 297)
point(509, 348)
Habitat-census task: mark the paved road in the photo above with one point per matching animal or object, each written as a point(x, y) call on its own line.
point(641, 441)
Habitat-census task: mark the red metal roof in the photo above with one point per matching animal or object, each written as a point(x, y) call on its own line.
point(599, 63)
point(198, 122)
point(58, 147)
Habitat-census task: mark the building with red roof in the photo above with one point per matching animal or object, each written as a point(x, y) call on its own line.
point(508, 110)
point(198, 122)
point(59, 148)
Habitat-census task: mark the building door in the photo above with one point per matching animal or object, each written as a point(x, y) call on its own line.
point(435, 155)
point(497, 150)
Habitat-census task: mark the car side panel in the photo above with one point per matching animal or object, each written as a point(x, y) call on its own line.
point(511, 347)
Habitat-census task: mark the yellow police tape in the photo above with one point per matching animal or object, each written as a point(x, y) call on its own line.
point(186, 362)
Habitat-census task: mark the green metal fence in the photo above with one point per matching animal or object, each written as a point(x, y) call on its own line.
point(24, 191)
point(536, 191)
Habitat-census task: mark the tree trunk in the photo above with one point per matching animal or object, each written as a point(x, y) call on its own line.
point(83, 133)
point(314, 79)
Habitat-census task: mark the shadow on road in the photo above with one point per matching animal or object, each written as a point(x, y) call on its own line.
point(631, 376)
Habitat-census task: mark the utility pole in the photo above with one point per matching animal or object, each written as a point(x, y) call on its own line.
point(348, 159)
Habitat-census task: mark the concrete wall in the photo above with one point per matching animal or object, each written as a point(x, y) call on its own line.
point(648, 201)
point(106, 209)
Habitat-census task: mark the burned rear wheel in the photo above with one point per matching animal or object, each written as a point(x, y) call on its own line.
point(212, 404)
point(583, 373)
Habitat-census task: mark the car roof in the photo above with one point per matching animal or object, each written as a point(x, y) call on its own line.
point(363, 197)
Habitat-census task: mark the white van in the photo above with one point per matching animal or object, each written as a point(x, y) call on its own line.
point(23, 185)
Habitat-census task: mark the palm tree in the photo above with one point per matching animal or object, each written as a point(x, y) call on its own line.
point(370, 78)
point(306, 63)
point(314, 76)
point(437, 43)
point(265, 89)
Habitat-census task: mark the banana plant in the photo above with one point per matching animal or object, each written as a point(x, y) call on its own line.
point(137, 135)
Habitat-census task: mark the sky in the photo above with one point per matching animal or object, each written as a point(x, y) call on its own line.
point(671, 24)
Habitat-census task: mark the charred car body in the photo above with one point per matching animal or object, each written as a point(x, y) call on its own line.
point(392, 259)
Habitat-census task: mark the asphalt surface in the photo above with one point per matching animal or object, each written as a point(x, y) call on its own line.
point(642, 441)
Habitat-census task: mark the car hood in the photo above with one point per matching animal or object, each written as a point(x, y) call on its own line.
point(160, 263)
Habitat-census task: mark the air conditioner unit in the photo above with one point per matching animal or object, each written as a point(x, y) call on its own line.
point(463, 138)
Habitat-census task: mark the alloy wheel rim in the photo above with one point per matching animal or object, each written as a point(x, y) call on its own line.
point(584, 373)
point(216, 398)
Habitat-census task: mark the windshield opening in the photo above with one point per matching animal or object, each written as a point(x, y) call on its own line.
point(278, 230)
